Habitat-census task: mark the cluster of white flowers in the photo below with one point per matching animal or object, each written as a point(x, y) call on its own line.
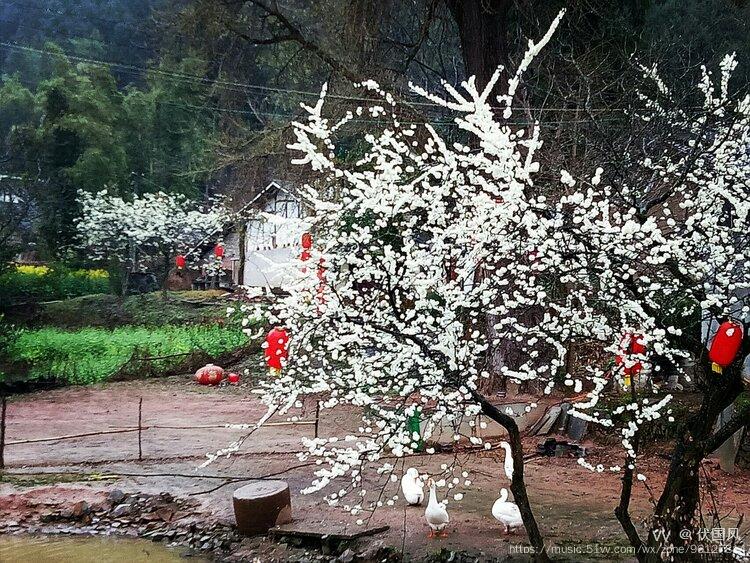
point(148, 226)
point(434, 254)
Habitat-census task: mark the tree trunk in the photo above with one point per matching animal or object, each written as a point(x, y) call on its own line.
point(677, 505)
point(518, 484)
point(483, 32)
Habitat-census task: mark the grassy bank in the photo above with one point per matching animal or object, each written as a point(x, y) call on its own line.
point(30, 284)
point(111, 311)
point(90, 355)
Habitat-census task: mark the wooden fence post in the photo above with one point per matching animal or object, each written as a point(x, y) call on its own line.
point(140, 428)
point(317, 417)
point(3, 408)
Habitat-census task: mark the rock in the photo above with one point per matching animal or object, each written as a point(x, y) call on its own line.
point(346, 557)
point(122, 510)
point(116, 496)
point(81, 509)
point(372, 551)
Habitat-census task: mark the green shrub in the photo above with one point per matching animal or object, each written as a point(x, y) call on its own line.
point(94, 354)
point(23, 284)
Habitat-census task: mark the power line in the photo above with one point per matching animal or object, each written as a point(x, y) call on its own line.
point(242, 86)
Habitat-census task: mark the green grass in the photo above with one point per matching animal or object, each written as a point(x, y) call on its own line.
point(32, 284)
point(91, 355)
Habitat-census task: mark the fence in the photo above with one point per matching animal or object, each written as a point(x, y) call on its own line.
point(139, 427)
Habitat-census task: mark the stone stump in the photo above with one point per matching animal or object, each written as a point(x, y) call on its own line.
point(262, 505)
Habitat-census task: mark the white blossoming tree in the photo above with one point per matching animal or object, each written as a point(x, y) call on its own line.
point(433, 253)
point(149, 230)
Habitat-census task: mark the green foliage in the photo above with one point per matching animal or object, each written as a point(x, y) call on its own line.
point(24, 284)
point(150, 309)
point(80, 130)
point(93, 354)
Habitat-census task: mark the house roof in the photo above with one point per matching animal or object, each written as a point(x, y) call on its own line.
point(226, 229)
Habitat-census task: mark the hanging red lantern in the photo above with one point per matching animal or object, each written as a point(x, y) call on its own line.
point(635, 346)
point(275, 347)
point(180, 262)
point(209, 375)
point(219, 251)
point(305, 255)
point(725, 345)
point(307, 241)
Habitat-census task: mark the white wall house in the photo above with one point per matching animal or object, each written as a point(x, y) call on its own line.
point(273, 237)
point(261, 251)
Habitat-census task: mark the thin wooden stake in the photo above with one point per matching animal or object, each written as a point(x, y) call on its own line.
point(317, 417)
point(2, 432)
point(140, 428)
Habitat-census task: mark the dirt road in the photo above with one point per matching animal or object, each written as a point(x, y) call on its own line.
point(574, 506)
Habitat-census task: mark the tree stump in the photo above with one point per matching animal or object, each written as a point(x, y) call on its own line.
point(261, 506)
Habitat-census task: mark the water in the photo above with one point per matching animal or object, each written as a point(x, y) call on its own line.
point(85, 549)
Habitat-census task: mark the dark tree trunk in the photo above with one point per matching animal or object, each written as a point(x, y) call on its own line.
point(677, 505)
point(517, 484)
point(483, 32)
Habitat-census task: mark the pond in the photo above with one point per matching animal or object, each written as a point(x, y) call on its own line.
point(84, 549)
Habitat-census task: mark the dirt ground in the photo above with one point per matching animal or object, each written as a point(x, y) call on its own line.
point(573, 506)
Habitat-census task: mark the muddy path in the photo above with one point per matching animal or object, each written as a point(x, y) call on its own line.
point(46, 482)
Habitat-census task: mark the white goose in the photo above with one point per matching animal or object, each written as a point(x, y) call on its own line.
point(507, 513)
point(508, 459)
point(412, 487)
point(436, 514)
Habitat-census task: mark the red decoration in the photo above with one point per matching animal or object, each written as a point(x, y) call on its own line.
point(233, 378)
point(180, 262)
point(219, 251)
point(209, 375)
point(307, 241)
point(275, 348)
point(725, 346)
point(635, 346)
point(305, 255)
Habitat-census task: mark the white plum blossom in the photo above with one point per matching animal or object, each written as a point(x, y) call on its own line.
point(154, 226)
point(432, 254)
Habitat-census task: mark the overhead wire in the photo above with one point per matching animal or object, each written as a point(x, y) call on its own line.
point(244, 86)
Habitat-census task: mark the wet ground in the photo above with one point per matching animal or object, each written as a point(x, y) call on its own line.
point(574, 507)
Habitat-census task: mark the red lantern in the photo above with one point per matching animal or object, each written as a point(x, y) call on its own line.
point(725, 346)
point(635, 346)
point(219, 251)
point(307, 241)
point(209, 375)
point(180, 262)
point(275, 349)
point(305, 255)
point(233, 378)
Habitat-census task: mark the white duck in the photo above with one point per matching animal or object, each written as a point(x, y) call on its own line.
point(508, 459)
point(412, 487)
point(506, 513)
point(436, 514)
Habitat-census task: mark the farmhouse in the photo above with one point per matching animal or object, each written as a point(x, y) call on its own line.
point(259, 246)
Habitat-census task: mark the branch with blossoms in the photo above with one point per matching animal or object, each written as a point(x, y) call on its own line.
point(434, 254)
